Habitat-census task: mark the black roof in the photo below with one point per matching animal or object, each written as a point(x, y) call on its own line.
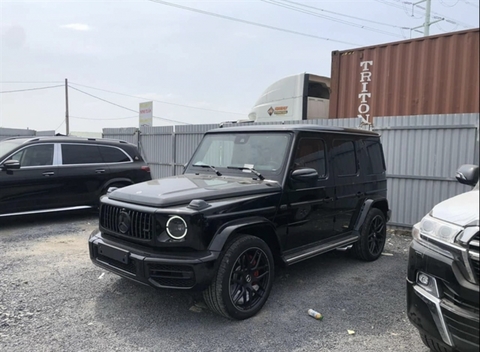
point(61, 138)
point(292, 128)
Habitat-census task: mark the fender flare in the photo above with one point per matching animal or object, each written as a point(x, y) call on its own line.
point(116, 180)
point(225, 232)
point(367, 205)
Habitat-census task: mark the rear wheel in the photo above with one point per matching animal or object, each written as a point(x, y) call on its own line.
point(372, 236)
point(243, 280)
point(434, 345)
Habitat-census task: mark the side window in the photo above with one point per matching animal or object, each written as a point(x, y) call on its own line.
point(36, 155)
point(374, 150)
point(311, 153)
point(80, 154)
point(113, 155)
point(344, 158)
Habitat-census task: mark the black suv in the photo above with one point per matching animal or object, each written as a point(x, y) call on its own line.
point(40, 174)
point(249, 196)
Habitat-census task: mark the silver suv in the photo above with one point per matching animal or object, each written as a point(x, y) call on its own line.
point(443, 271)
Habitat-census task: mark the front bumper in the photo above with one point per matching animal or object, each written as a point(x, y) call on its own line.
point(192, 271)
point(448, 313)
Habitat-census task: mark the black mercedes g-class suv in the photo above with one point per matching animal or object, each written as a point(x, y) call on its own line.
point(250, 196)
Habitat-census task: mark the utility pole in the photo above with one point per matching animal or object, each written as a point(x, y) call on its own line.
point(67, 122)
point(426, 25)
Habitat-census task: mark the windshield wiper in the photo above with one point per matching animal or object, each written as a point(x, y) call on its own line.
point(210, 167)
point(252, 170)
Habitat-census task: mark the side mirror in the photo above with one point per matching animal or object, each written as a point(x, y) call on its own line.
point(467, 174)
point(110, 190)
point(11, 165)
point(304, 175)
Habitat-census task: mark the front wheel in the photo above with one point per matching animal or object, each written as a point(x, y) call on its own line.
point(372, 236)
point(243, 280)
point(434, 345)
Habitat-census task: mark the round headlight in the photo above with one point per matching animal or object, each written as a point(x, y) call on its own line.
point(176, 227)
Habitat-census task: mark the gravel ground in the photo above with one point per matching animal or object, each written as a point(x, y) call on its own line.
point(52, 298)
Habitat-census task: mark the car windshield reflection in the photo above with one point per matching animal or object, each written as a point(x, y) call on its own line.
point(264, 152)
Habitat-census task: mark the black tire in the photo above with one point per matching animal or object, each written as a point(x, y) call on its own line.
point(372, 236)
point(434, 345)
point(244, 279)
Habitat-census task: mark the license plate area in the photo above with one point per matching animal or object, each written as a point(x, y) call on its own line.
point(120, 255)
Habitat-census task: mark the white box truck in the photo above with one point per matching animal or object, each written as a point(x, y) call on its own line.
point(303, 96)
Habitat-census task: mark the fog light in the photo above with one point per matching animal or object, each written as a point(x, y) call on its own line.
point(423, 279)
point(428, 283)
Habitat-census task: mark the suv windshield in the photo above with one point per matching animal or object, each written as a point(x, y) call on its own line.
point(7, 146)
point(264, 152)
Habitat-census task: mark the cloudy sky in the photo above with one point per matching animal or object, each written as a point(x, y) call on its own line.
point(199, 61)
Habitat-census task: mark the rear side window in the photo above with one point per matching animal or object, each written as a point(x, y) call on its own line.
point(113, 155)
point(36, 155)
point(375, 156)
point(81, 154)
point(344, 158)
point(311, 154)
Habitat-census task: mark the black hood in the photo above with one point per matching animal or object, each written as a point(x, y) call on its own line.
point(182, 189)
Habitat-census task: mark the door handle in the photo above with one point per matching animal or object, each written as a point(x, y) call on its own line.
point(360, 194)
point(48, 173)
point(328, 199)
point(100, 171)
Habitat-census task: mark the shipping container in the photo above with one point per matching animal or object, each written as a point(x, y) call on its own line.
point(429, 75)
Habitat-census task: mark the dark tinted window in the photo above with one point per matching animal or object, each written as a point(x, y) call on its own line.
point(36, 155)
point(311, 153)
point(113, 155)
point(80, 154)
point(344, 157)
point(374, 150)
point(318, 90)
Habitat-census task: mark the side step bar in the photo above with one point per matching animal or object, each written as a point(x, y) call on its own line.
point(310, 252)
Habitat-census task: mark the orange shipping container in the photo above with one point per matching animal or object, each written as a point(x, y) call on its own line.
point(430, 75)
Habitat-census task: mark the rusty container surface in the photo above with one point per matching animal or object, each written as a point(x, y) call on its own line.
point(431, 75)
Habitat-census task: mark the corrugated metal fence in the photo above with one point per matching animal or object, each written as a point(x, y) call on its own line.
point(422, 155)
point(15, 132)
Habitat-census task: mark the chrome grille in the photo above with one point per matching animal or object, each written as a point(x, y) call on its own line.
point(473, 253)
point(140, 224)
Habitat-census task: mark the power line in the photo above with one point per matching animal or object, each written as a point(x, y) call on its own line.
point(28, 82)
point(466, 25)
point(294, 8)
point(25, 90)
point(469, 3)
point(60, 125)
point(448, 5)
point(121, 106)
point(343, 15)
point(404, 3)
point(103, 119)
point(250, 22)
point(158, 101)
point(106, 101)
